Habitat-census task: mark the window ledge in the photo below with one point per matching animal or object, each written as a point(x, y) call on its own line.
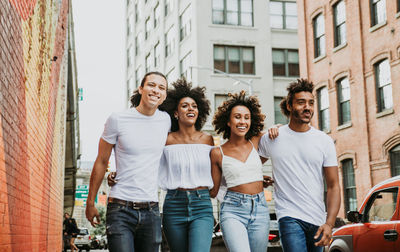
point(225, 26)
point(236, 75)
point(339, 47)
point(377, 26)
point(385, 113)
point(319, 58)
point(288, 78)
point(283, 30)
point(344, 126)
point(397, 15)
point(327, 131)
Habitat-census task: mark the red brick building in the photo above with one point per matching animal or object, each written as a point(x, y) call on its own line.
point(38, 123)
point(351, 51)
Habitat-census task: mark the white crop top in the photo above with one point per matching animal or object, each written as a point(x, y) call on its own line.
point(185, 166)
point(237, 172)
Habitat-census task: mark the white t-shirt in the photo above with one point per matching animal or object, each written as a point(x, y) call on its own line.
point(139, 141)
point(298, 159)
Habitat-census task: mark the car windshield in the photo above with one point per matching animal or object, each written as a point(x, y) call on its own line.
point(84, 231)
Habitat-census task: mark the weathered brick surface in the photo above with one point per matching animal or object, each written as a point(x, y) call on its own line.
point(33, 65)
point(365, 140)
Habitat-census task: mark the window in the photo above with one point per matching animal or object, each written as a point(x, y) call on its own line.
point(285, 62)
point(349, 186)
point(234, 59)
point(185, 67)
point(343, 90)
point(219, 99)
point(339, 15)
point(398, 5)
point(131, 87)
point(169, 42)
point(130, 56)
point(383, 85)
point(147, 27)
point(157, 55)
point(185, 23)
point(395, 160)
point(131, 24)
point(323, 109)
point(148, 63)
point(279, 117)
point(138, 42)
point(170, 75)
point(283, 15)
point(169, 6)
point(233, 12)
point(157, 15)
point(381, 205)
point(378, 12)
point(319, 36)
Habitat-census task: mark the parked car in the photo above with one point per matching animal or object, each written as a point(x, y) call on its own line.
point(83, 240)
point(375, 225)
point(274, 238)
point(103, 242)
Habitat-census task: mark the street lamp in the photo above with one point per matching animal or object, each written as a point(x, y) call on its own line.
point(237, 81)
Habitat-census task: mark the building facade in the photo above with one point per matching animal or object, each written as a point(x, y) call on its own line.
point(39, 133)
point(351, 51)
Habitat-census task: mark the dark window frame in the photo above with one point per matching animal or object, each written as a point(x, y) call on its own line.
point(379, 89)
point(321, 122)
point(338, 26)
point(239, 12)
point(286, 56)
point(349, 190)
point(284, 15)
point(241, 61)
point(341, 102)
point(374, 11)
point(395, 160)
point(317, 40)
point(147, 28)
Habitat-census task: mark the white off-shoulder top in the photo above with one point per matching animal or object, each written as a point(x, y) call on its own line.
point(185, 166)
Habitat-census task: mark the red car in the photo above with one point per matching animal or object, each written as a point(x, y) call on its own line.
point(376, 225)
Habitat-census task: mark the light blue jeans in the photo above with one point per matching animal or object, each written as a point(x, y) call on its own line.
point(245, 222)
point(297, 235)
point(188, 220)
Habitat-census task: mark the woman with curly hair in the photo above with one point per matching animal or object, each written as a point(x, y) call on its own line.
point(185, 170)
point(244, 213)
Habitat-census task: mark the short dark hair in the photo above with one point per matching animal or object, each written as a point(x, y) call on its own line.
point(183, 89)
point(222, 115)
point(301, 85)
point(136, 97)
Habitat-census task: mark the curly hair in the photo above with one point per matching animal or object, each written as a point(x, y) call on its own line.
point(295, 87)
point(136, 97)
point(222, 116)
point(183, 89)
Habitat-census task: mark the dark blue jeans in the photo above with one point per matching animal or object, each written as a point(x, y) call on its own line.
point(131, 230)
point(188, 220)
point(297, 235)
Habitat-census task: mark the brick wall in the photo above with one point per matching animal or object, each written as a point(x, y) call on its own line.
point(368, 137)
point(33, 67)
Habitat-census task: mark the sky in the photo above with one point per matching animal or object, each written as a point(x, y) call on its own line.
point(99, 27)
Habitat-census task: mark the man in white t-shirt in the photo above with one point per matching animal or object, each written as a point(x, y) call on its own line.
point(138, 136)
point(301, 157)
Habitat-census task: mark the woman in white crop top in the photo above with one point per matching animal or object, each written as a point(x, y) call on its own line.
point(185, 171)
point(244, 213)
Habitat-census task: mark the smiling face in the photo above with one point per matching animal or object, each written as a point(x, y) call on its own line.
point(154, 91)
point(240, 120)
point(187, 111)
point(302, 108)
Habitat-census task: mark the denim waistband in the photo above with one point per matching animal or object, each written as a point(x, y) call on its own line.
point(176, 192)
point(238, 195)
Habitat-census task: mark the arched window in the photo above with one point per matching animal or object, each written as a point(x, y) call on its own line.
point(349, 186)
point(395, 160)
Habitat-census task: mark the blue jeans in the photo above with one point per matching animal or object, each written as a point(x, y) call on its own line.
point(297, 235)
point(131, 230)
point(188, 220)
point(245, 222)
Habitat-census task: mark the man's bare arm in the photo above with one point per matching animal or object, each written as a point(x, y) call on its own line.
point(99, 169)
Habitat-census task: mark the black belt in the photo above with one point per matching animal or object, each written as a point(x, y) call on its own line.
point(134, 205)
